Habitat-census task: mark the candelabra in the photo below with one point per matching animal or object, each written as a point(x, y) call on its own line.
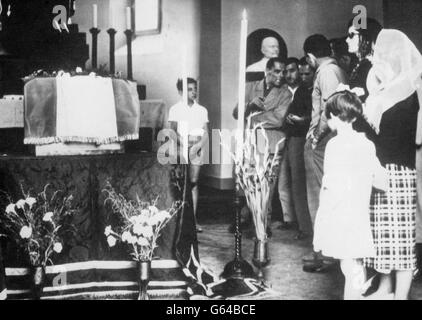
point(129, 34)
point(94, 32)
point(112, 32)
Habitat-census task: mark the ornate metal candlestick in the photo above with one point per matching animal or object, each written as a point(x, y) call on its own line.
point(238, 268)
point(112, 32)
point(94, 32)
point(129, 34)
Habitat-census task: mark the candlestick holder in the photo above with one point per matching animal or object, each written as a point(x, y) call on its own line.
point(112, 32)
point(237, 269)
point(129, 35)
point(94, 32)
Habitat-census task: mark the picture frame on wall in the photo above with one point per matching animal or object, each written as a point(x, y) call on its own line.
point(147, 16)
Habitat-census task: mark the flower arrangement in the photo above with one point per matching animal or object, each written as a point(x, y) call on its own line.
point(140, 224)
point(39, 224)
point(256, 173)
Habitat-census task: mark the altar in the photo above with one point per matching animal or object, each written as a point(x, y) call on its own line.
point(87, 267)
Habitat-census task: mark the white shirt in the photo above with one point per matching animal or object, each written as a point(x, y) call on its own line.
point(194, 117)
point(293, 91)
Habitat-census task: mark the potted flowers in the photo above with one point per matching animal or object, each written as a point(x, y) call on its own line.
point(140, 225)
point(38, 225)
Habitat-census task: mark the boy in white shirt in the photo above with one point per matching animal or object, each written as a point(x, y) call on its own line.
point(194, 118)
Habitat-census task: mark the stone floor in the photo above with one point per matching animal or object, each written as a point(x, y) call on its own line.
point(284, 274)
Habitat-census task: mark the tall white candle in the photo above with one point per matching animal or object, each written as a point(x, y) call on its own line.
point(95, 15)
point(242, 83)
point(110, 15)
point(185, 74)
point(184, 132)
point(128, 18)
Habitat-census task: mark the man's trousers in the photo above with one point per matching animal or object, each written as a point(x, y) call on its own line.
point(292, 185)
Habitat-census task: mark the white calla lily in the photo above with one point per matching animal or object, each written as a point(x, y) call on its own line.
point(31, 201)
point(25, 232)
point(10, 208)
point(20, 204)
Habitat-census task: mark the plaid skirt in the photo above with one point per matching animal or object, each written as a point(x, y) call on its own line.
point(393, 224)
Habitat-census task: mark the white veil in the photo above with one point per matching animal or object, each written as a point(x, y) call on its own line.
point(395, 76)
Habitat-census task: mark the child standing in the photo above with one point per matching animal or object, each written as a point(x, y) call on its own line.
point(195, 117)
point(351, 169)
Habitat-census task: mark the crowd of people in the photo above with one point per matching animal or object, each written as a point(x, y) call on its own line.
point(348, 176)
point(348, 116)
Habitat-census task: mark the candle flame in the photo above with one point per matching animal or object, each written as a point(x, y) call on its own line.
point(244, 14)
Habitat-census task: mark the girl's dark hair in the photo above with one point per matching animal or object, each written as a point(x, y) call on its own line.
point(345, 105)
point(368, 36)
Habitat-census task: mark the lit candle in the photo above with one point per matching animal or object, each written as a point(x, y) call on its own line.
point(184, 130)
point(94, 16)
point(242, 83)
point(128, 19)
point(185, 74)
point(110, 16)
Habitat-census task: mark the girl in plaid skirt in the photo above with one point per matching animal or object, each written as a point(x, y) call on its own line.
point(392, 107)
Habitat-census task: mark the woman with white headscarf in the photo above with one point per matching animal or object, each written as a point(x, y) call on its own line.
point(393, 109)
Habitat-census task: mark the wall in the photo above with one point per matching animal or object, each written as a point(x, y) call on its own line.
point(293, 20)
point(210, 28)
point(405, 16)
point(210, 64)
point(156, 58)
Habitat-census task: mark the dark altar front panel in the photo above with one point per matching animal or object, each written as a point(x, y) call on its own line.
point(87, 268)
point(85, 177)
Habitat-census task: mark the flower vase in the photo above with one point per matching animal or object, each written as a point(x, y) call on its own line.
point(260, 257)
point(37, 278)
point(144, 275)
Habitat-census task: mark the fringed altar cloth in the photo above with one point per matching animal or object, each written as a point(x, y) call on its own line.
point(80, 109)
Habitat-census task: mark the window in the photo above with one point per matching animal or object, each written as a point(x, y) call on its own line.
point(147, 16)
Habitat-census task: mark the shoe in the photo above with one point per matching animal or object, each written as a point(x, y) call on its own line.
point(199, 229)
point(371, 286)
point(314, 266)
point(318, 266)
point(310, 258)
point(328, 260)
